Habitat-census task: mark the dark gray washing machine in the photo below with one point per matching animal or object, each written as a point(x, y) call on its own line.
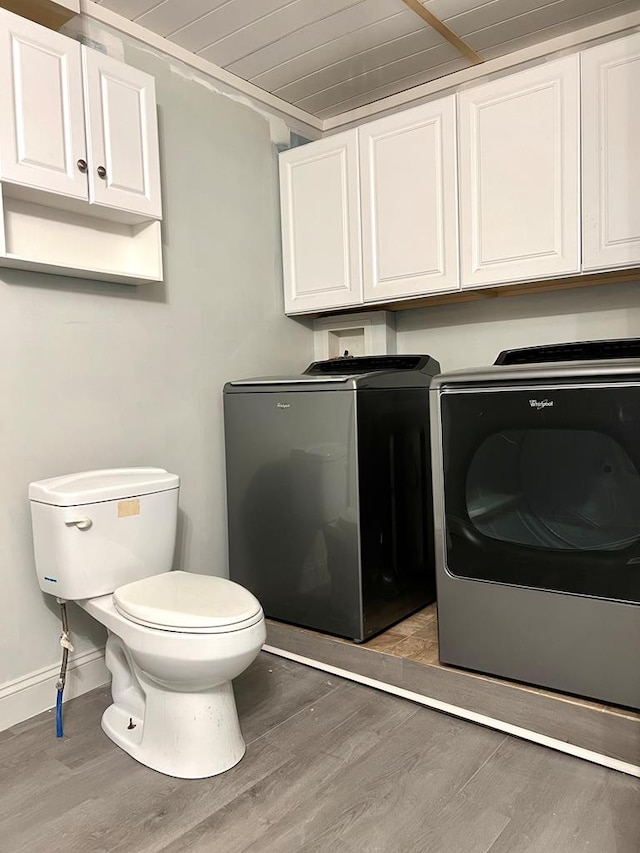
point(536, 467)
point(329, 492)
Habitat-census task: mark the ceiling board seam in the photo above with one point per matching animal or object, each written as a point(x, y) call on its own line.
point(519, 15)
point(153, 9)
point(363, 73)
point(398, 80)
point(197, 20)
point(318, 46)
point(580, 14)
point(246, 26)
point(445, 31)
point(453, 19)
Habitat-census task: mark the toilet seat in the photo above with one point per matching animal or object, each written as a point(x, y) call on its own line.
point(185, 602)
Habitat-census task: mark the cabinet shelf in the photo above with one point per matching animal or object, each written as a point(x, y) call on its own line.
point(42, 238)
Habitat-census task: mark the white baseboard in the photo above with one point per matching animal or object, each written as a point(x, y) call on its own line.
point(34, 693)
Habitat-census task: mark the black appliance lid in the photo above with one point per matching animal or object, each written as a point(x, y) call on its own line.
point(617, 348)
point(358, 365)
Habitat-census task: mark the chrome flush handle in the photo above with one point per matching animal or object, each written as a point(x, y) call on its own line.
point(80, 523)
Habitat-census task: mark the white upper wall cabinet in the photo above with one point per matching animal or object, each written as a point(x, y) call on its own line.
point(610, 150)
point(79, 160)
point(320, 201)
point(506, 204)
point(519, 176)
point(42, 134)
point(409, 215)
point(124, 169)
point(76, 122)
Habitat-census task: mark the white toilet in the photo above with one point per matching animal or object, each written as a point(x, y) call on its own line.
point(105, 539)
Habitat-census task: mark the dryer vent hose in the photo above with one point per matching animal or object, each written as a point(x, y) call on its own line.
point(66, 648)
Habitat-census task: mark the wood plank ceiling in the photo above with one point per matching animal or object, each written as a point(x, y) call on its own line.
point(331, 56)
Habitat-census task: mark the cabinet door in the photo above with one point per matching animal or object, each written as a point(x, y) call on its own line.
point(320, 201)
point(519, 176)
point(41, 113)
point(120, 106)
point(409, 215)
point(610, 146)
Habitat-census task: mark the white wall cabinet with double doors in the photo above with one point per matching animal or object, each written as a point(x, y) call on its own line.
point(611, 154)
point(519, 165)
point(370, 214)
point(79, 159)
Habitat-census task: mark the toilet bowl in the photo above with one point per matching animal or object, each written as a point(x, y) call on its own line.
point(173, 705)
point(176, 640)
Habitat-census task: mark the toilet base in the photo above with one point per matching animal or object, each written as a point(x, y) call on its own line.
point(186, 735)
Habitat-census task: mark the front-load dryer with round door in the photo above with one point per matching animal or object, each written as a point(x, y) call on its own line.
point(536, 471)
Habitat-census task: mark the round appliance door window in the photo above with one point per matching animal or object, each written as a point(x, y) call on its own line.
point(560, 489)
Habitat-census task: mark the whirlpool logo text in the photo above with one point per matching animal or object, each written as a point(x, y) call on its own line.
point(540, 404)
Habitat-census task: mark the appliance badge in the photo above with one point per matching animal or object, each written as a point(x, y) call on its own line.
point(284, 405)
point(540, 404)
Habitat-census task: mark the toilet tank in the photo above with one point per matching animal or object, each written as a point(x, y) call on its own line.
point(97, 530)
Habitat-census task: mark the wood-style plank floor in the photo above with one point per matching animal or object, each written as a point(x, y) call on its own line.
point(416, 638)
point(406, 656)
point(330, 766)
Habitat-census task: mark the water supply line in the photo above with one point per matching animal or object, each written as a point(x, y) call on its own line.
point(65, 642)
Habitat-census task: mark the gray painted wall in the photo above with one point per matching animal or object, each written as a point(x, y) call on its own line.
point(472, 334)
point(96, 375)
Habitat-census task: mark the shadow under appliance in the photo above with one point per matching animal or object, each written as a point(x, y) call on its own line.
point(329, 492)
point(536, 466)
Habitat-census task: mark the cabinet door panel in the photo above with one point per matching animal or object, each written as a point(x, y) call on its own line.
point(121, 126)
point(409, 216)
point(42, 127)
point(519, 176)
point(321, 224)
point(610, 144)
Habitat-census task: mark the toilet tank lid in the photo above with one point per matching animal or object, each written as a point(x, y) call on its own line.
point(88, 487)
